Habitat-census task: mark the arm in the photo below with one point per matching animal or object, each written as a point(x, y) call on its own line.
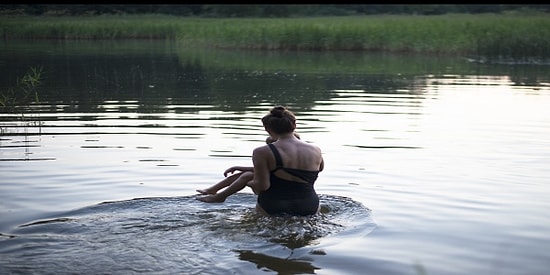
point(232, 169)
point(322, 163)
point(260, 182)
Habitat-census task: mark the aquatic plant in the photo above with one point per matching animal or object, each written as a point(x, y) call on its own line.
point(16, 99)
point(494, 35)
point(26, 88)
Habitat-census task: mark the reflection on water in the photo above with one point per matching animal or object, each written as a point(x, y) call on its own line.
point(175, 234)
point(450, 155)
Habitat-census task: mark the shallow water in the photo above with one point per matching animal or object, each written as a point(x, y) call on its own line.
point(441, 170)
point(160, 234)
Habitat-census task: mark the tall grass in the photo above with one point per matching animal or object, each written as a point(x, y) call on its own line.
point(25, 89)
point(505, 35)
point(89, 27)
point(16, 99)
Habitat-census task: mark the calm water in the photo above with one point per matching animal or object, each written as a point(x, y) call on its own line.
point(433, 165)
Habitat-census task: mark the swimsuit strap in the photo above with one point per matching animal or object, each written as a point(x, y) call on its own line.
point(278, 159)
point(308, 176)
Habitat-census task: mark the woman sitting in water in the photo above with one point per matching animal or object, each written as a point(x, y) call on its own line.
point(284, 171)
point(234, 183)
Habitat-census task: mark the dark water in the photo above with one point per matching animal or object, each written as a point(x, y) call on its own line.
point(178, 234)
point(434, 165)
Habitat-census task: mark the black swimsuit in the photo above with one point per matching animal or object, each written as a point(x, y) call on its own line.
point(289, 197)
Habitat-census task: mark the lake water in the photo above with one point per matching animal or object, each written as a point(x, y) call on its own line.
point(434, 165)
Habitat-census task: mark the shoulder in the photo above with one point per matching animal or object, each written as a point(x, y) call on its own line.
point(262, 150)
point(311, 146)
point(262, 157)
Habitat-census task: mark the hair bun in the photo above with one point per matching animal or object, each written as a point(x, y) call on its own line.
point(278, 111)
point(280, 120)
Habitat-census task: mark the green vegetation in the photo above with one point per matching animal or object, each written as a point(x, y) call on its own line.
point(26, 88)
point(486, 35)
point(451, 34)
point(16, 99)
point(262, 10)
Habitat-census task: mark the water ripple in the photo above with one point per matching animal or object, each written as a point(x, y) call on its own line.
point(174, 234)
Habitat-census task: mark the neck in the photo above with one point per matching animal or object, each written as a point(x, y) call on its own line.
point(285, 136)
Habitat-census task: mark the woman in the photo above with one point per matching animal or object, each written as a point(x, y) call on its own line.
point(241, 175)
point(285, 170)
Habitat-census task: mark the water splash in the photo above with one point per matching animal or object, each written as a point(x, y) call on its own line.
point(175, 234)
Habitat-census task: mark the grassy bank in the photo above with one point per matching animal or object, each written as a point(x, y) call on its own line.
point(511, 35)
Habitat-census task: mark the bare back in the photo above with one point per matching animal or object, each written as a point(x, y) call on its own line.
point(296, 154)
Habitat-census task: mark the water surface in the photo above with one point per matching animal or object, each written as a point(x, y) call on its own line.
point(434, 165)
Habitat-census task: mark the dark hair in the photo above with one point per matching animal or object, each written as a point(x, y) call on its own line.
point(280, 120)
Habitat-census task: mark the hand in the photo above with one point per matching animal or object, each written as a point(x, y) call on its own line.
point(230, 170)
point(233, 169)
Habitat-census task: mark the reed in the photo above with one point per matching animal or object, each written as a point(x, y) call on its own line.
point(25, 89)
point(16, 99)
point(491, 35)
